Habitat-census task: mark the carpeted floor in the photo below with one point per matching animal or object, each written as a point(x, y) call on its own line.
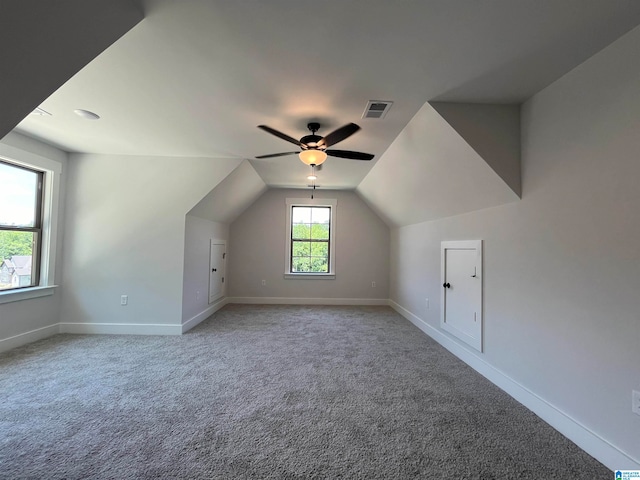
point(278, 392)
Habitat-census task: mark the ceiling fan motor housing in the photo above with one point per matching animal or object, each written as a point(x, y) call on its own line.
point(311, 141)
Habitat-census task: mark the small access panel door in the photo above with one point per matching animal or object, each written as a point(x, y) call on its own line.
point(461, 299)
point(217, 257)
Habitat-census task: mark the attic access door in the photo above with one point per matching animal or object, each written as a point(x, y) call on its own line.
point(217, 257)
point(461, 298)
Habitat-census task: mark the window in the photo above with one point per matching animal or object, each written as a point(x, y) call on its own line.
point(310, 228)
point(310, 238)
point(30, 188)
point(20, 226)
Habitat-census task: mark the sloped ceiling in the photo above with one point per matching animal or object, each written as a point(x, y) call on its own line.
point(231, 196)
point(195, 78)
point(46, 43)
point(493, 131)
point(430, 172)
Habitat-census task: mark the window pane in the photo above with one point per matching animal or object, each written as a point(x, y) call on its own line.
point(320, 231)
point(319, 249)
point(301, 249)
point(320, 215)
point(18, 196)
point(310, 264)
point(301, 232)
point(301, 215)
point(16, 253)
point(319, 264)
point(300, 264)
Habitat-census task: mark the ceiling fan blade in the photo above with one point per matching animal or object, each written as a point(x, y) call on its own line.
point(349, 154)
point(339, 135)
point(281, 135)
point(272, 155)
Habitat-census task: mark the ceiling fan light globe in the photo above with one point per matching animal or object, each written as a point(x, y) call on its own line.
point(312, 157)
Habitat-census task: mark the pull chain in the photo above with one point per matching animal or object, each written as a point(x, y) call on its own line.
point(312, 177)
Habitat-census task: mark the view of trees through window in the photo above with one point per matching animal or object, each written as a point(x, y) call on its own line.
point(20, 225)
point(310, 239)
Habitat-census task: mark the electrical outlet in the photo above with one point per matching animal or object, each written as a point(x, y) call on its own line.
point(264, 282)
point(198, 295)
point(124, 300)
point(635, 402)
point(427, 302)
point(373, 284)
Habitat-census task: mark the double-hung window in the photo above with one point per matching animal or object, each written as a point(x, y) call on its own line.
point(21, 200)
point(310, 238)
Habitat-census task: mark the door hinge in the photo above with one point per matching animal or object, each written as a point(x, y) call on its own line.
point(223, 255)
point(222, 279)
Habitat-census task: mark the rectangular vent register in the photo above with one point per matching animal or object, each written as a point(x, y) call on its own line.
point(376, 109)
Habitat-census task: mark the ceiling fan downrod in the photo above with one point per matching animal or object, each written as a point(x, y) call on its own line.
point(313, 126)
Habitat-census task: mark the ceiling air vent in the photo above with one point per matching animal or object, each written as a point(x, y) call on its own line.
point(376, 109)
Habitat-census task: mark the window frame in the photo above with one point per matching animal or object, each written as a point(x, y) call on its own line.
point(36, 229)
point(307, 202)
point(39, 159)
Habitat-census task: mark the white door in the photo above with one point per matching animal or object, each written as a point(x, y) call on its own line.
point(216, 269)
point(462, 290)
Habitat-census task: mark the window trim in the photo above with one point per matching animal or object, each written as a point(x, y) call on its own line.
point(25, 293)
point(50, 205)
point(317, 202)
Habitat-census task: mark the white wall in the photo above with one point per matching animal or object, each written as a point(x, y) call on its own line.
point(195, 295)
point(125, 234)
point(31, 319)
point(258, 249)
point(561, 266)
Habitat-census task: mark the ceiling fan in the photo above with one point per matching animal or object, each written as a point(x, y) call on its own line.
point(314, 148)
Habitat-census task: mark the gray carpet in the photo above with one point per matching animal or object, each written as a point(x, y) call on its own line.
point(269, 392)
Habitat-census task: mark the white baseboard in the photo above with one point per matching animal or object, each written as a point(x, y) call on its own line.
point(202, 316)
point(589, 441)
point(28, 337)
point(307, 301)
point(121, 328)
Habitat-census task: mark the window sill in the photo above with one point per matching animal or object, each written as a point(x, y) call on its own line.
point(26, 293)
point(310, 276)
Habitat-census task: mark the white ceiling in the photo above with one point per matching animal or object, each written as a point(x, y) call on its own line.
point(195, 77)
